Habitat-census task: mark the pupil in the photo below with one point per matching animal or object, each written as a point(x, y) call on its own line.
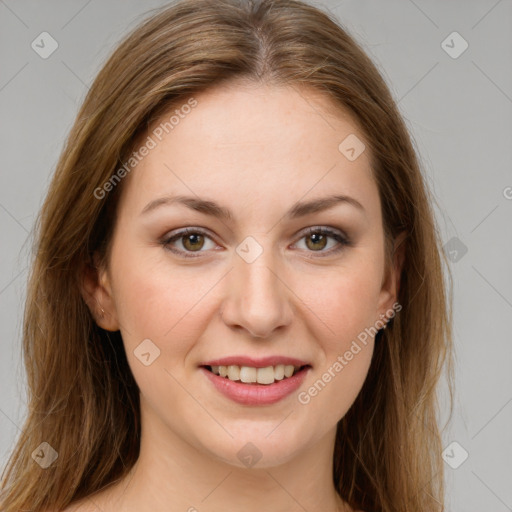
point(193, 239)
point(318, 237)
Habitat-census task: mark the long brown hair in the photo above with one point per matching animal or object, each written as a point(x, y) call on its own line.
point(82, 398)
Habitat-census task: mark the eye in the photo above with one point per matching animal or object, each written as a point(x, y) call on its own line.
point(191, 240)
point(317, 239)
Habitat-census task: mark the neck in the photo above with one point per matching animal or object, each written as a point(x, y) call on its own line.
point(182, 477)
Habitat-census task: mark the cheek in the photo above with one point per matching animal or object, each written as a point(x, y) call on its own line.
point(160, 303)
point(148, 302)
point(346, 346)
point(344, 308)
point(166, 308)
point(343, 301)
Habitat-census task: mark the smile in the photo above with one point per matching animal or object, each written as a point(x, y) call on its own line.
point(274, 388)
point(252, 375)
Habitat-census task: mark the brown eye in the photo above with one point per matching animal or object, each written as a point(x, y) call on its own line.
point(193, 242)
point(318, 241)
point(188, 241)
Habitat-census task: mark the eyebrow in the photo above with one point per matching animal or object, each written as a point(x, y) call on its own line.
point(213, 209)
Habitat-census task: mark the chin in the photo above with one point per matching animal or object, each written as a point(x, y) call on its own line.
point(257, 446)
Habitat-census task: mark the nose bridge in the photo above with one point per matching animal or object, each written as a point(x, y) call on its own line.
point(253, 263)
point(259, 278)
point(256, 298)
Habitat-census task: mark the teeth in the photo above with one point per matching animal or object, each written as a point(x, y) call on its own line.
point(279, 372)
point(234, 372)
point(288, 371)
point(249, 375)
point(266, 375)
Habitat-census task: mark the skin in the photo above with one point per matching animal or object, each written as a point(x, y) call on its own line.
point(255, 149)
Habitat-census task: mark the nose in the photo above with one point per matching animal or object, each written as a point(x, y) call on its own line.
point(257, 298)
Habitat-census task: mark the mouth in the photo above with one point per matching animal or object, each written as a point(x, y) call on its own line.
point(252, 375)
point(260, 385)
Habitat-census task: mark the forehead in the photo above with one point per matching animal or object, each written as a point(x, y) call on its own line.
point(259, 142)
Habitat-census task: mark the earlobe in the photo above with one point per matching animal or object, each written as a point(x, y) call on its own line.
point(97, 294)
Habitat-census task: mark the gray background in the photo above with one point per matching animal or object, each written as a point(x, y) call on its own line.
point(459, 111)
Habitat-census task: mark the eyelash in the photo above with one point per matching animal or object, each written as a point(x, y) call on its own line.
point(342, 240)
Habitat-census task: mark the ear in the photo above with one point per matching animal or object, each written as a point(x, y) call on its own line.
point(96, 290)
point(391, 282)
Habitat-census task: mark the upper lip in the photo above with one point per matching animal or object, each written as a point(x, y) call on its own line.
point(254, 362)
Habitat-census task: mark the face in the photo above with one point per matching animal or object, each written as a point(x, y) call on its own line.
point(271, 281)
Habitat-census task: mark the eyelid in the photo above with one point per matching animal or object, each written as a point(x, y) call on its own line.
point(177, 234)
point(331, 232)
point(324, 228)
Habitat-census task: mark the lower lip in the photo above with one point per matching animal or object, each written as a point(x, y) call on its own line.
point(256, 394)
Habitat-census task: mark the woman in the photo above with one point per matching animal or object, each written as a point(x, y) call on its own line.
point(237, 299)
